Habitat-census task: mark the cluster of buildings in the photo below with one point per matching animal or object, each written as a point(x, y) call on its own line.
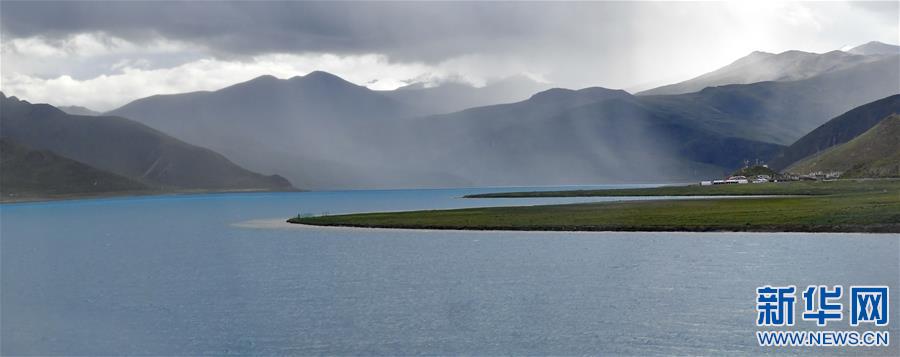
point(760, 173)
point(738, 179)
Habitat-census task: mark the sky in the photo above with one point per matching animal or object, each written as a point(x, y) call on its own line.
point(104, 54)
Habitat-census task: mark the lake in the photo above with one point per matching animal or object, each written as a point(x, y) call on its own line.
point(212, 274)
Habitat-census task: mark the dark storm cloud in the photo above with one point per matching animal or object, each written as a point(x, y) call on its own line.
point(420, 31)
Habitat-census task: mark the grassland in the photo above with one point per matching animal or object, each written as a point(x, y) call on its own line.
point(840, 206)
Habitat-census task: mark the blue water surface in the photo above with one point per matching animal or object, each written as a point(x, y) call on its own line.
point(217, 274)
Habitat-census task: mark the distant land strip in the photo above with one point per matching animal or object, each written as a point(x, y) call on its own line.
point(769, 189)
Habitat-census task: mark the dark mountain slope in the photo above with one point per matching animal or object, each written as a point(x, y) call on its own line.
point(839, 130)
point(39, 173)
point(126, 148)
point(874, 153)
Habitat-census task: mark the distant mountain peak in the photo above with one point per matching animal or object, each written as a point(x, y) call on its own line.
point(602, 91)
point(322, 76)
point(835, 52)
point(323, 79)
point(588, 94)
point(875, 43)
point(264, 78)
point(271, 84)
point(753, 56)
point(77, 110)
point(875, 48)
point(552, 92)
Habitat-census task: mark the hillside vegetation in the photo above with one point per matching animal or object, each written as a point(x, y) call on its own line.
point(27, 173)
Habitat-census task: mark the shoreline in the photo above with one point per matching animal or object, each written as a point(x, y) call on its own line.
point(861, 229)
point(282, 224)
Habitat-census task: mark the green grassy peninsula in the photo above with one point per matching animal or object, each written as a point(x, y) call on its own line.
point(837, 206)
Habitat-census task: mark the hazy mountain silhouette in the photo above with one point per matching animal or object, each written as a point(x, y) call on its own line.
point(763, 66)
point(453, 96)
point(839, 130)
point(77, 110)
point(126, 148)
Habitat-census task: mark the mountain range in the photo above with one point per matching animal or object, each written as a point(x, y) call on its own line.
point(321, 131)
point(786, 66)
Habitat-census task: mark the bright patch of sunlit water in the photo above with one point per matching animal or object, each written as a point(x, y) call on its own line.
point(185, 275)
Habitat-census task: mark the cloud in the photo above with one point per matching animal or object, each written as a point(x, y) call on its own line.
point(85, 45)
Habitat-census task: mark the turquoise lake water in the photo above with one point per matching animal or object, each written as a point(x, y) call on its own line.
point(219, 274)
